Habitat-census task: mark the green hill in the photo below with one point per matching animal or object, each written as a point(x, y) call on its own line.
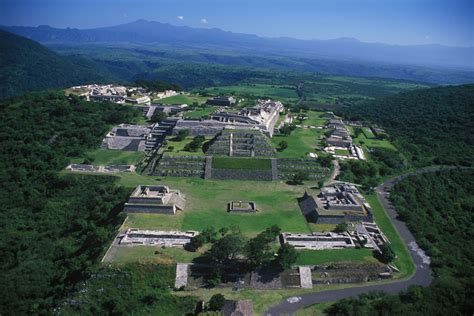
point(26, 65)
point(430, 126)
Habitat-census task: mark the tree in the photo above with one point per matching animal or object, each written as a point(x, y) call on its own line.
point(215, 278)
point(320, 184)
point(286, 256)
point(182, 134)
point(227, 248)
point(196, 242)
point(216, 302)
point(158, 117)
point(299, 177)
point(282, 145)
point(387, 254)
point(341, 227)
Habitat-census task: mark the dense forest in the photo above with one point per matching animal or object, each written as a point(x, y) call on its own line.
point(26, 65)
point(53, 227)
point(432, 126)
point(439, 210)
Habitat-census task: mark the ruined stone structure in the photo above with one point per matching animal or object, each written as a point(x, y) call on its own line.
point(340, 136)
point(336, 204)
point(241, 143)
point(138, 137)
point(221, 101)
point(263, 116)
point(135, 236)
point(157, 199)
point(318, 241)
point(242, 207)
point(288, 167)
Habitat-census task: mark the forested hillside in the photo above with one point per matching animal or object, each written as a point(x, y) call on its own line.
point(26, 65)
point(439, 210)
point(53, 227)
point(432, 126)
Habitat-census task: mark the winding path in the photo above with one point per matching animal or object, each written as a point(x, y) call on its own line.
point(422, 275)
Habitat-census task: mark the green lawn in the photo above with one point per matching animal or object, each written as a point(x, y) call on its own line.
point(403, 260)
point(183, 99)
point(315, 119)
point(257, 90)
point(300, 142)
point(342, 152)
point(105, 157)
point(241, 163)
point(370, 142)
point(200, 112)
point(178, 147)
point(156, 254)
point(206, 205)
point(368, 132)
point(309, 257)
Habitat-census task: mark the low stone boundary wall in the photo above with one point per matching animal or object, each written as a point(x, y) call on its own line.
point(241, 174)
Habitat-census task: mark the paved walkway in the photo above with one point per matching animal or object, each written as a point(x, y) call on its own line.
point(422, 275)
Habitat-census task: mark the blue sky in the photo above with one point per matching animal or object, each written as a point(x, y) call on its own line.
point(448, 22)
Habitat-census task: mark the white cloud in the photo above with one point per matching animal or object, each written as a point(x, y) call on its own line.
point(204, 21)
point(180, 17)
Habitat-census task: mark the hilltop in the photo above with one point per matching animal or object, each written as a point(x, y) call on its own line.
point(26, 65)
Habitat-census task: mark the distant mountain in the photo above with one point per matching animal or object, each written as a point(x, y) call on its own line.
point(26, 65)
point(350, 49)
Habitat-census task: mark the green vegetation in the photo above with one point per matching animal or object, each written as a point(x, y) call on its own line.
point(207, 202)
point(188, 99)
point(199, 112)
point(280, 92)
point(141, 289)
point(157, 85)
point(310, 257)
point(26, 65)
point(381, 163)
point(403, 260)
point(430, 126)
point(241, 163)
point(54, 228)
point(300, 142)
point(105, 157)
point(438, 210)
point(178, 147)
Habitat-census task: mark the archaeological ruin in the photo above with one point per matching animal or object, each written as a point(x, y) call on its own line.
point(155, 199)
point(135, 236)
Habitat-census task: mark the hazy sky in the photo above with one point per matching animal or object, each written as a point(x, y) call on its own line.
point(449, 22)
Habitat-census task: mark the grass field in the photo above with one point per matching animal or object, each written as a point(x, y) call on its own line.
point(104, 157)
point(362, 140)
point(183, 99)
point(178, 147)
point(300, 142)
point(309, 257)
point(281, 92)
point(200, 112)
point(314, 118)
point(241, 163)
point(342, 152)
point(403, 260)
point(207, 201)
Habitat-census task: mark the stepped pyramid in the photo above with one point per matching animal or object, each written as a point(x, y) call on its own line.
point(241, 143)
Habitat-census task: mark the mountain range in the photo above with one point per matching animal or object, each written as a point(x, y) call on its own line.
point(347, 49)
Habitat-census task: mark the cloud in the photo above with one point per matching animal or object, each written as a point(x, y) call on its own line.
point(180, 17)
point(204, 21)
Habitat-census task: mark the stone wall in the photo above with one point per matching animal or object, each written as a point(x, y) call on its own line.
point(151, 209)
point(241, 174)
